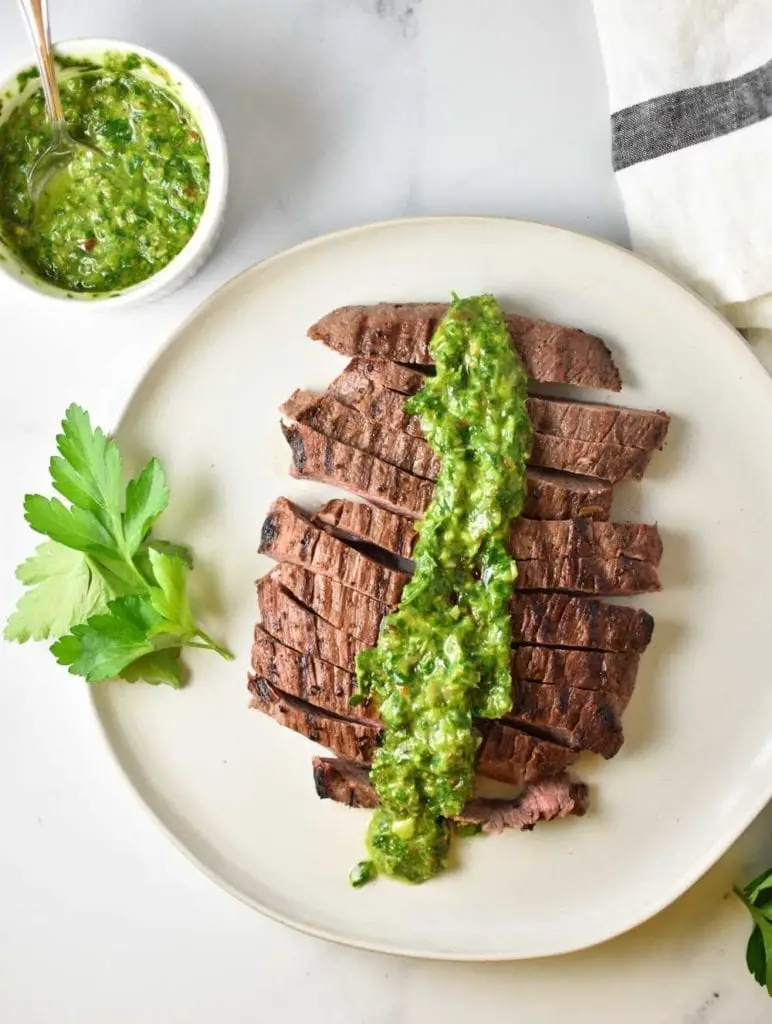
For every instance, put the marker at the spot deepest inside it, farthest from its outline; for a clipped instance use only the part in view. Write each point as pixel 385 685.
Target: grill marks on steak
pixel 550 353
pixel 354 740
pixel 383 425
pixel 288 535
pixel 510 755
pixel 513 756
pixel 582 719
pixel 603 424
pixel 310 679
pixel 529 538
pixel 297 627
pixel 342 423
pixel 318 457
pixel 561 620
pixel 589 576
pixel 557 797
pixel 335 603
pixel 553 620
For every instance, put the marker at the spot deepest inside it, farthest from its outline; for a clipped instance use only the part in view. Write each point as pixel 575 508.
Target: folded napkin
pixel 690 86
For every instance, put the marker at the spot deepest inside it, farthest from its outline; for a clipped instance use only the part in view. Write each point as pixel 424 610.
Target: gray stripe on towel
pixel 686 118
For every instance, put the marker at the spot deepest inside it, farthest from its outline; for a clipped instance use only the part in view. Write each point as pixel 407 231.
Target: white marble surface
pixel 337 112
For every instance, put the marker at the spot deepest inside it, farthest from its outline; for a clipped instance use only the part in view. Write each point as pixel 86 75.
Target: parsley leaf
pixel 118 596
pixel 159 667
pixel 757 899
pixel 103 646
pixel 64 590
pixel 146 499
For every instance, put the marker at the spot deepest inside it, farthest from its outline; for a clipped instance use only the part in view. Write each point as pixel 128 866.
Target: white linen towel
pixel 690 88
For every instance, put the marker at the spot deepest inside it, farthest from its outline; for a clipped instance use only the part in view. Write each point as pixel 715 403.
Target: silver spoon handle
pixel 36 15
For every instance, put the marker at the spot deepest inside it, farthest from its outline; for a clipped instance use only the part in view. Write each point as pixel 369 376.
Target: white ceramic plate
pixel 234 790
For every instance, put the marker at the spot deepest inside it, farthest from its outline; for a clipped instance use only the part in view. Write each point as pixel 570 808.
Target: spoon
pixel 60 152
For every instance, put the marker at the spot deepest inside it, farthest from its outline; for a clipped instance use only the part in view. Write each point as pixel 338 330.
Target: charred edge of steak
pixel 297 447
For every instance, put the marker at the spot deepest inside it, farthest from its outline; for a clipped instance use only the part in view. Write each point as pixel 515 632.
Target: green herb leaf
pixel 74 527
pixel 88 470
pixel 64 590
pixel 170 599
pixel 105 645
pixel 159 667
pixel 755 957
pixel 146 498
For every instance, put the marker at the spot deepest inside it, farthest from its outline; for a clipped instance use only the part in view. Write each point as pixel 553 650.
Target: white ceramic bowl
pixel 197 250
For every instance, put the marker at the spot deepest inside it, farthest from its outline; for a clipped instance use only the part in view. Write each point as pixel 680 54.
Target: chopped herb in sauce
pixel 123 209
pixel 443 658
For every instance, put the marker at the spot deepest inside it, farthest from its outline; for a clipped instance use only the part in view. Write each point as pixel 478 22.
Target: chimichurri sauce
pixel 443 657
pixel 120 211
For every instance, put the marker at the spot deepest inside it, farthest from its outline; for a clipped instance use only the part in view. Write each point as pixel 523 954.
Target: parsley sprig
pixel 757 899
pixel 115 597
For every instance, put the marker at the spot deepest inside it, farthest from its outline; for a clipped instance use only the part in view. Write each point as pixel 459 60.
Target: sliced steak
pixel 556 797
pixel 612 674
pixel 589 576
pixel 373 401
pixel 296 626
pixel 563 621
pixel 582 719
pixel 288 535
pixel 584 421
pixel 546 619
pixel 591 421
pixel 345 782
pixel 315 681
pixel 317 457
pixel 582 538
pixel 337 604
pixel 605 460
pixel 550 352
pixel 330 417
pixel 377 526
pixel 511 755
pixel 357 741
pixel 529 539
pixel 391 375
pixel 348 783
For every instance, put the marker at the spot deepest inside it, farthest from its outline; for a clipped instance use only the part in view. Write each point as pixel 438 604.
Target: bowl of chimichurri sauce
pixel 139 208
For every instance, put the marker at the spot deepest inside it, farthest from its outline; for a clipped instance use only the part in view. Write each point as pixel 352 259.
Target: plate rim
pixel 655 906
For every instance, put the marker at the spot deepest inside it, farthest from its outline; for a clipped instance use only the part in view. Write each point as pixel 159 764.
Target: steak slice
pixel 359 521
pixel 355 740
pixel 545 619
pixel 529 538
pixel 560 620
pixel 591 421
pixel 582 719
pixel 607 672
pixel 402 332
pixel 348 783
pixel 297 627
pixel 511 755
pixel 337 604
pixel 342 423
pixel 584 421
pixel 318 457
pixel 288 535
pixel 377 405
pixel 315 681
pixel 589 576
pixel 391 375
